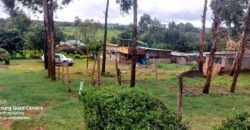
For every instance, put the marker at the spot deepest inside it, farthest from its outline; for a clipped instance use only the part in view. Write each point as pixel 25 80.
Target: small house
pixel 223 62
pixel 144 54
pixel 184 58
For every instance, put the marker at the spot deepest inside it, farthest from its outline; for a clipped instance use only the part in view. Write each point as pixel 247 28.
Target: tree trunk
pixel 48 13
pixel 134 45
pixel 215 32
pixel 45 51
pixel 51 35
pixel 240 56
pixel 202 38
pixel 105 39
pixel 45 11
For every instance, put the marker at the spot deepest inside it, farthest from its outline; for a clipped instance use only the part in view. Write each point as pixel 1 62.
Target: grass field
pixel 25 82
pixel 73 31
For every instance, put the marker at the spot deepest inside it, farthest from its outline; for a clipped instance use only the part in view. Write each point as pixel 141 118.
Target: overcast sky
pixel 164 10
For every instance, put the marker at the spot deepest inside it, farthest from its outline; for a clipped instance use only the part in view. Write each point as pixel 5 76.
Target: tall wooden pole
pixel 202 38
pixel 179 97
pixel 105 39
pixel 240 56
pixel 134 45
pixel 215 39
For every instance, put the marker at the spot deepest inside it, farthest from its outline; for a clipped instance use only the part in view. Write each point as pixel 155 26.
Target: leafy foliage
pixel 232 14
pixel 239 122
pixel 126 108
pixel 11 41
pixel 125 5
pixel 4 55
pixel 35 37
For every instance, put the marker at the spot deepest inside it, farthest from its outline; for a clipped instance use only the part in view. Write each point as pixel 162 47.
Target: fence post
pixel 98 71
pixel 93 72
pixel 156 80
pixel 118 71
pixel 179 97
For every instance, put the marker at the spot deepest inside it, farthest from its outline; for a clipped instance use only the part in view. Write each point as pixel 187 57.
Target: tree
pixel 145 22
pixel 242 50
pixel 202 38
pixel 232 14
pixel 35 37
pixel 11 41
pixel 105 38
pixel 77 21
pixel 48 7
pixel 125 6
pixel 215 39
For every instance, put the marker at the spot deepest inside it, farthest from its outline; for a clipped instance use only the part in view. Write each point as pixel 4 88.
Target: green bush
pixel 34 55
pixel 4 56
pixel 239 122
pixel 116 108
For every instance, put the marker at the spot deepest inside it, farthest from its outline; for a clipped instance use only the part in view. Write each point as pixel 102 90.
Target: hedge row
pixel 115 108
pixel 239 122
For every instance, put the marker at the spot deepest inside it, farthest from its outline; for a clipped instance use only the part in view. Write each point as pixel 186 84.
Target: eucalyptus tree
pixel 47 7
pixel 241 51
pixel 232 15
pixel 125 6
pixel 202 38
pixel 105 38
pixel 215 40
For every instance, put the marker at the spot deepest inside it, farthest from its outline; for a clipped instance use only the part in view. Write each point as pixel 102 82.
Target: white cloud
pixel 164 10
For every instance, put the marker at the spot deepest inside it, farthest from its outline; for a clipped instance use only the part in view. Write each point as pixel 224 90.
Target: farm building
pixel 70 44
pixel 124 52
pixel 184 58
pixel 224 62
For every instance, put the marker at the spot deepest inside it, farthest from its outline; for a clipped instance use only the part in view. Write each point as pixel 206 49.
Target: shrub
pixel 71 51
pixel 239 122
pixel 126 109
pixel 4 56
pixel 34 55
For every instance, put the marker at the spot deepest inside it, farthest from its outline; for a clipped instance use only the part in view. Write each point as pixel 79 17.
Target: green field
pixel 25 82
pixel 73 31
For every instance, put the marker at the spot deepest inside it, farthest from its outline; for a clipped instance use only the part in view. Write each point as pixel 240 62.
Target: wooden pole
pixel 68 80
pixel 87 65
pixel 63 77
pixel 59 69
pixel 93 72
pixel 98 70
pixel 179 97
pixel 156 80
pixel 118 71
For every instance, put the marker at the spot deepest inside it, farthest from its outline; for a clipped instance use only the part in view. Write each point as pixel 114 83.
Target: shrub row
pixel 126 109
pixel 238 122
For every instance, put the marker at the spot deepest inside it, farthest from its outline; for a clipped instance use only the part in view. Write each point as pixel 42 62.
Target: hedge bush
pixel 4 56
pixel 116 108
pixel 239 122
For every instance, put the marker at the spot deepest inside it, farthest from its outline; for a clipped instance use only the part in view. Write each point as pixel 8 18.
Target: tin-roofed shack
pixel 224 61
pixel 123 52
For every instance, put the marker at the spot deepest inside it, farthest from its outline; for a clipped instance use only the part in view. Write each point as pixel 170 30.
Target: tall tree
pixel 37 6
pixel 202 38
pixel 215 40
pixel 134 45
pixel 232 14
pixel 125 6
pixel 105 38
pixel 242 50
pixel 49 27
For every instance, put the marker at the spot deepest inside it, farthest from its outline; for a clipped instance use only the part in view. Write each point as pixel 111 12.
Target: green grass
pixel 25 82
pixel 99 34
